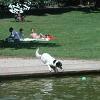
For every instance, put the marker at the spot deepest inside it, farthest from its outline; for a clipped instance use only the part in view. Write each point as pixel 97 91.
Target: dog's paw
pixel 50 71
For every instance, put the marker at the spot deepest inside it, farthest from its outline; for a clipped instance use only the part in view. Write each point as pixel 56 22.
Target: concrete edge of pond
pixel 48 74
pixel 19 68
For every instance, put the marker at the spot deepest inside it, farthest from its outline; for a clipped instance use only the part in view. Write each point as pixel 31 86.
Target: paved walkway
pixel 29 66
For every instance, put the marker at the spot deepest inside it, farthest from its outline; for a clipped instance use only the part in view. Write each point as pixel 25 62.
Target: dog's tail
pixel 37 53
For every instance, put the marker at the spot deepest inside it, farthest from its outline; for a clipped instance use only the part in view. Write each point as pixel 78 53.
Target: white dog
pixel 50 61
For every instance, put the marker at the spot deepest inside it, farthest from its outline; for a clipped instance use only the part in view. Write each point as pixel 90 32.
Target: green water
pixel 65 88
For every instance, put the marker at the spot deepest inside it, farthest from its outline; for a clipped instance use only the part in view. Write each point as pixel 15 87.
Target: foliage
pixel 51 3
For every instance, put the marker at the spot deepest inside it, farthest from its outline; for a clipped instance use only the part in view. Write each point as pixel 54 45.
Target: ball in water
pixel 83 78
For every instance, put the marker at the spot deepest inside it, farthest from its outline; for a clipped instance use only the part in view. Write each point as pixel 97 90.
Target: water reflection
pixel 47 86
pixel 66 88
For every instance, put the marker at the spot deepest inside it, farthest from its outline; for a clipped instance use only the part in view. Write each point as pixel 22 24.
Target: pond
pixel 86 87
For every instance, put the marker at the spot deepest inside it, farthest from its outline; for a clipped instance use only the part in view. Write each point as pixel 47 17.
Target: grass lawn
pixel 77 35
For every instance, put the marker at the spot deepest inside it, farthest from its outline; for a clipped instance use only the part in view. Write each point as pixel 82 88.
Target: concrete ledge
pixel 19 68
pixel 48 74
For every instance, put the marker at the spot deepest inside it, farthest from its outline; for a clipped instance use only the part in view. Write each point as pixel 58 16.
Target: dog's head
pixel 57 64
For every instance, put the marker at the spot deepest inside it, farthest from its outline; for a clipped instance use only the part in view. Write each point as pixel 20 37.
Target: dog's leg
pixel 55 69
pixel 49 68
pixel 62 69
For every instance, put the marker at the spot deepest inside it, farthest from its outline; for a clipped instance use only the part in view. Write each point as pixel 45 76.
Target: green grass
pixel 77 34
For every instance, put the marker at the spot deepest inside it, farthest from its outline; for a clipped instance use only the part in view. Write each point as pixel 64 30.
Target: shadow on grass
pixel 55 11
pixel 21 21
pixel 27 45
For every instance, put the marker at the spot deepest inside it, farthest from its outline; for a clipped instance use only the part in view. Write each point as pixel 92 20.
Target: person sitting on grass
pixel 10 38
pixel 14 35
pixel 21 35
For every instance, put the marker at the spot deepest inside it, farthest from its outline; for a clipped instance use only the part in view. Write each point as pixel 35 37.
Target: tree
pixel 97 3
pixel 81 2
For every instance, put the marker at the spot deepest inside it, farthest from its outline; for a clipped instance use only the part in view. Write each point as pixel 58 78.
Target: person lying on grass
pixel 37 36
